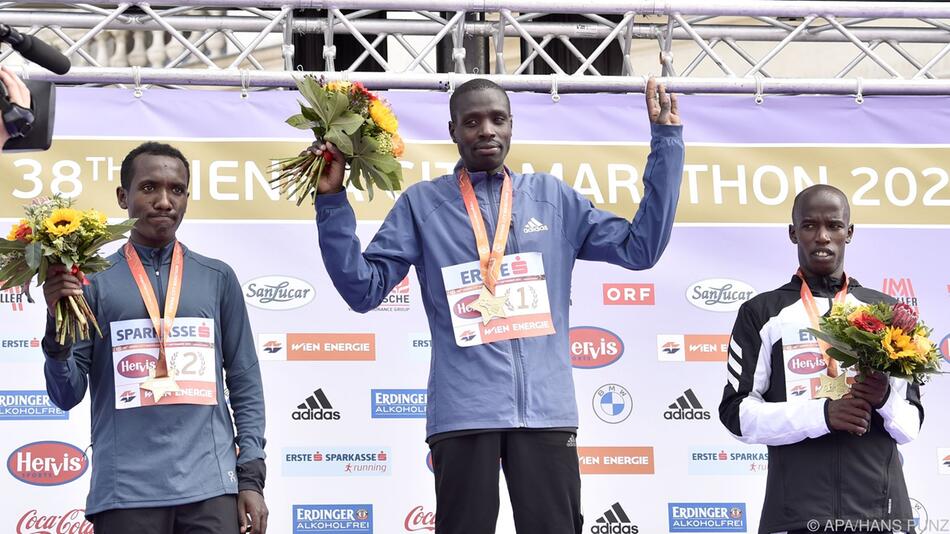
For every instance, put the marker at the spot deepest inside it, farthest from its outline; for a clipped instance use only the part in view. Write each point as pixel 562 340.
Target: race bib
pixel 804 363
pixel 526 305
pixel 190 353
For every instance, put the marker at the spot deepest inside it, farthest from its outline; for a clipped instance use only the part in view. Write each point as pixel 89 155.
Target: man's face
pixel 482 129
pixel 157 196
pixel 821 230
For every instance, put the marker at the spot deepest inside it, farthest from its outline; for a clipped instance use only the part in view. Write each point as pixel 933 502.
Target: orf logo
pixel 47 463
pixel 277 293
pixel 593 347
pixel 719 294
pixel 136 365
pixel 463 308
pixel 807 363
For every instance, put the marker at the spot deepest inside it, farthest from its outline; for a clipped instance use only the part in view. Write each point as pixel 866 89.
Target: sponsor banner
pixel 592 347
pixel 29 405
pixel 419 345
pixel 707 517
pixel 317 346
pixel 730 460
pixel 336 461
pixel 687 408
pixel 398 403
pixel 719 294
pixel 901 289
pixel 616 460
pixel 13 300
pixel 333 518
pixel 943 460
pixel 277 292
pixel 945 347
pixel 47 463
pixel 629 295
pixel 34 521
pixel 398 300
pixel 614 520
pixel 16 348
pixel 692 347
pixel 612 403
pixel 316 407
pixel 419 520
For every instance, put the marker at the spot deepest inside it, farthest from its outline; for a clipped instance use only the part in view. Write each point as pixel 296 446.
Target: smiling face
pixel 158 196
pixel 821 227
pixel 481 128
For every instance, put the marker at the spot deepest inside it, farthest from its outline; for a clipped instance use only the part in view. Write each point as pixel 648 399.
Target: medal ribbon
pixel 489 260
pixel 812 308
pixel 172 297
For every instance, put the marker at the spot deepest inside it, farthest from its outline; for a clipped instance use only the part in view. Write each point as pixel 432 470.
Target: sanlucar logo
pixel 47 463
pixel 593 347
pixel 277 292
pixel 719 294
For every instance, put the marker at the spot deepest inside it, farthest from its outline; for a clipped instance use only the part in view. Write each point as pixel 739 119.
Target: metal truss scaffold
pixel 705 46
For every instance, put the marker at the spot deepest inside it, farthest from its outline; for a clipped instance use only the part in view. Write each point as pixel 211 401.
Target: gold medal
pixel 833 388
pixel 162 385
pixel 489 305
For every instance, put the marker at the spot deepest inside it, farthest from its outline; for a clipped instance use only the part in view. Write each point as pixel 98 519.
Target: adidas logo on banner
pixel 614 521
pixel 316 407
pixel 571 441
pixel 534 225
pixel 687 407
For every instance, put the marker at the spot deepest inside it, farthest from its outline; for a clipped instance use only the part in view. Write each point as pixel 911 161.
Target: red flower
pixel 868 323
pixel 23 233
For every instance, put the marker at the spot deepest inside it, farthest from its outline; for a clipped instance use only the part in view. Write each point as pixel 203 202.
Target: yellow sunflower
pixel 899 346
pixel 63 221
pixel 383 116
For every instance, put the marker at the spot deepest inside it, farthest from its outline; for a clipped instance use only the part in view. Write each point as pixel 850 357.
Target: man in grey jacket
pixel 165 461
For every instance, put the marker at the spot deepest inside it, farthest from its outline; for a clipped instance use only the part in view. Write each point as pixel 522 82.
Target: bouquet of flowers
pixel 54 232
pixel 880 337
pixel 359 123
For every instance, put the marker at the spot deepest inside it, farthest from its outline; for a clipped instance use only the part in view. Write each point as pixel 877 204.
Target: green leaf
pixel 356 173
pixel 349 122
pixel 336 106
pixel 846 360
pixel 11 246
pixel 33 254
pixel 308 88
pixel 341 140
pixel 44 266
pixel 301 123
pixel 309 113
pixel 385 164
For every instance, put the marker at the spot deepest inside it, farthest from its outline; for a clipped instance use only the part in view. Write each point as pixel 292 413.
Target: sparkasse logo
pixel 47 463
pixel 315 407
pixel 707 517
pixel 277 292
pixel 719 294
pixel 614 521
pixel 687 408
pixel 593 347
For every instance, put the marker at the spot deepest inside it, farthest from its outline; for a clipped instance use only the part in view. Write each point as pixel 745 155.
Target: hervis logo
pixel 593 347
pixel 136 365
pixel 277 292
pixel 807 363
pixel 719 294
pixel 615 460
pixel 47 463
pixel 463 308
pixel 692 347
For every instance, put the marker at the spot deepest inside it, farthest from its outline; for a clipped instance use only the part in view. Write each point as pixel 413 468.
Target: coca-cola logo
pixel 593 347
pixel 136 365
pixel 72 522
pixel 418 519
pixel 47 463
pixel 463 308
pixel 807 363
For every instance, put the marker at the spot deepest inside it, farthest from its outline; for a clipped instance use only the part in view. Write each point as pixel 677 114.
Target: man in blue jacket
pixel 500 385
pixel 164 461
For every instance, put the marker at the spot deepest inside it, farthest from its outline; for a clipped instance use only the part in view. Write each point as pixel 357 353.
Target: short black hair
pixel 151 148
pixel 812 190
pixel 477 84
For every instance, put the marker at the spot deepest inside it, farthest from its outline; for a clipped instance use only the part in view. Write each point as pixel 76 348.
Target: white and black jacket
pixel 814 473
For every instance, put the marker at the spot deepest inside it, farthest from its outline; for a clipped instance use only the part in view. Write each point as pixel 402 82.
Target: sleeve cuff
pixel 827 420
pixel 251 475
pixel 666 130
pixel 331 200
pixel 51 347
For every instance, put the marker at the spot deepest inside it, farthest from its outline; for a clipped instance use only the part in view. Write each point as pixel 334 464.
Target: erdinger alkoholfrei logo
pixel 333 518
pixel 47 463
pixel 614 521
pixel 316 407
pixel 277 292
pixel 593 347
pixel 687 408
pixel 707 517
pixel 719 294
pixel 28 404
pixel 398 403
pixel 612 403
